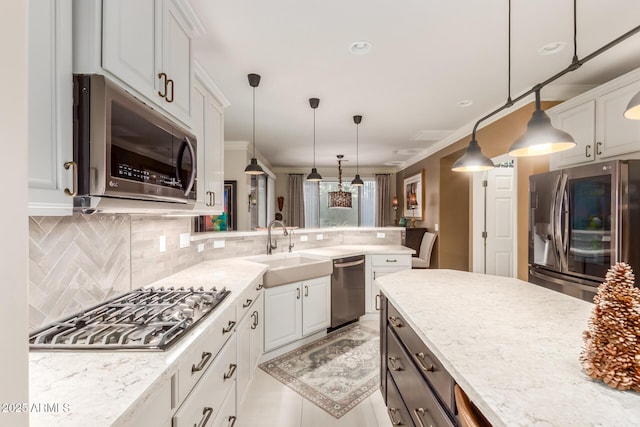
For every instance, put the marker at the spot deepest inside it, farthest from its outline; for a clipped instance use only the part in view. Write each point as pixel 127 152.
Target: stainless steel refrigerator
pixel 581 221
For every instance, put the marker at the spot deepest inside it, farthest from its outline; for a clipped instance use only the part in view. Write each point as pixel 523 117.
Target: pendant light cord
pixel 254 122
pixel 575 34
pixel 357 143
pixel 509 101
pixel 314 137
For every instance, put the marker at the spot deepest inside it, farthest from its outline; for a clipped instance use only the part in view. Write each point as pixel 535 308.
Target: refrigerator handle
pixel 554 225
pixel 561 233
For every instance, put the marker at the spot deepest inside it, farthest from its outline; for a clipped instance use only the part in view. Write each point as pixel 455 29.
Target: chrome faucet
pixel 291 244
pixel 274 245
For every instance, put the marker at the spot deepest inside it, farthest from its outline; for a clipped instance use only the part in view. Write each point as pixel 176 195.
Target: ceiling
pixel 426 56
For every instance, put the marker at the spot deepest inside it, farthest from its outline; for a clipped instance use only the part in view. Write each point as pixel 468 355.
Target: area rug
pixel 335 372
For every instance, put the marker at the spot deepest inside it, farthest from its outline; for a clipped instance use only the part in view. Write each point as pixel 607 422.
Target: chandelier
pixel 339 199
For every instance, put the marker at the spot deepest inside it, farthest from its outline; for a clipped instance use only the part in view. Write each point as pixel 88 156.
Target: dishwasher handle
pixel 348 264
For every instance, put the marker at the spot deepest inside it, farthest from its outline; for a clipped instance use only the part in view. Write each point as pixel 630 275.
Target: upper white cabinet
pixel 145 44
pixel 208 105
pixel 595 121
pixel 51 170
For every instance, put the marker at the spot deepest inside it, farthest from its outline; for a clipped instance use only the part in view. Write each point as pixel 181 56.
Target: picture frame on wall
pixel 414 184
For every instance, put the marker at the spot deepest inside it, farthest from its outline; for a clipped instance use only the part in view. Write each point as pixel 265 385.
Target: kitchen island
pixel 513 347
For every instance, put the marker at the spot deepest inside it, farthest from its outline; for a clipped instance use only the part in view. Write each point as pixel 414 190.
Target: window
pixel 318 214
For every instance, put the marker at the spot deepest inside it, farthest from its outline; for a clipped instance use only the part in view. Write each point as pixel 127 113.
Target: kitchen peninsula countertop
pixel 512 346
pixel 342 251
pixel 105 388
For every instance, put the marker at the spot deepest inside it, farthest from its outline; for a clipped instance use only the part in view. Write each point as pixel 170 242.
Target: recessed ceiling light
pixel 551 48
pixel 360 47
pixel 465 103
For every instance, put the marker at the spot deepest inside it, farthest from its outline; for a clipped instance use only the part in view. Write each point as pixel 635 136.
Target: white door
pixel 316 306
pixel 495 222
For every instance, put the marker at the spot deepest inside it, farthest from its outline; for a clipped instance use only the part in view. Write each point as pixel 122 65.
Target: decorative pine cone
pixel 611 351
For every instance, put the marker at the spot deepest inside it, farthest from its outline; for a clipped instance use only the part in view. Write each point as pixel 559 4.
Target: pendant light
pixel 541 137
pixel 473 160
pixel 357 181
pixel 254 168
pixel 340 199
pixel 314 176
pixel 633 108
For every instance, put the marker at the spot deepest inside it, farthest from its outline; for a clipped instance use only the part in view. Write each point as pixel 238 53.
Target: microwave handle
pixel 186 144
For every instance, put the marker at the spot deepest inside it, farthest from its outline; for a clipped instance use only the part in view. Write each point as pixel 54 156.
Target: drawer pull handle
pixel 203 362
pixel 420 414
pixel 232 420
pixel 229 327
pixel 232 370
pixel 247 303
pixel 395 322
pixel 74 169
pixel 392 364
pixel 392 415
pixel 206 414
pixel 420 359
pixel 391 260
pixel 260 286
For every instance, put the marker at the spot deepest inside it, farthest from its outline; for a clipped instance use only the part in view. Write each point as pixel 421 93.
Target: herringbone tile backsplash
pixel 76 262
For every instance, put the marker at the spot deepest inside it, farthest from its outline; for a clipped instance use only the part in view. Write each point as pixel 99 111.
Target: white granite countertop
pixel 103 388
pixel 342 251
pixel 512 346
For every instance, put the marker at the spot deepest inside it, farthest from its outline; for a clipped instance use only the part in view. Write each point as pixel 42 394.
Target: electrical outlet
pixel 185 241
pixel 218 244
pixel 319 237
pixel 435 227
pixel 380 235
pixel 200 247
pixel 162 243
pixel 304 238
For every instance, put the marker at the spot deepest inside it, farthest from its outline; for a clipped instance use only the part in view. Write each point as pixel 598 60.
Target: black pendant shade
pixel 473 160
pixel 633 108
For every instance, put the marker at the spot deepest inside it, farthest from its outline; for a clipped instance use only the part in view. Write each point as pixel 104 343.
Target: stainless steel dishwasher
pixel 347 290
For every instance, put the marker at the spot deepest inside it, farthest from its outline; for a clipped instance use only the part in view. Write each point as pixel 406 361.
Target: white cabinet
pixel 50 108
pixel 208 105
pixel 250 342
pixel 377 266
pixel 296 310
pixel 595 121
pixel 144 44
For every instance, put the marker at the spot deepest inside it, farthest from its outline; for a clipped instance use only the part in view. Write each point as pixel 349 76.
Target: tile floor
pixel 269 403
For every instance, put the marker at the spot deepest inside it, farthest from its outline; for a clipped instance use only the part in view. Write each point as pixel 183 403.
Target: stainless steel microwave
pixel 128 156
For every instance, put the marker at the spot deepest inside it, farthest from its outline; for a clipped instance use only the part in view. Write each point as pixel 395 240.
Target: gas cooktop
pixel 143 319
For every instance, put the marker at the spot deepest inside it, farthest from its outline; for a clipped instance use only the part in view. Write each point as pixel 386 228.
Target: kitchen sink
pixel 293 268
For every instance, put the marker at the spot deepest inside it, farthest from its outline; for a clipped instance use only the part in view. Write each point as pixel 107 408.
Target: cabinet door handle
pixel 260 286
pixel 206 414
pixel 392 415
pixel 306 290
pixel 297 293
pixel 420 359
pixel 393 365
pixel 374 275
pixel 203 362
pixel 169 82
pixel 586 151
pixel 391 260
pixel 254 316
pixel 232 370
pixel 395 322
pixel 247 303
pixel 422 413
pixel 74 170
pixel 212 198
pixel 229 327
pixel 378 299
pixel 598 151
pixel 232 420
pixel 163 80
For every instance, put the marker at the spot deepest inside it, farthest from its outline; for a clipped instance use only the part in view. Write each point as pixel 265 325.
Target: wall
pixel 14 370
pixel 447 198
pixel 79 261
